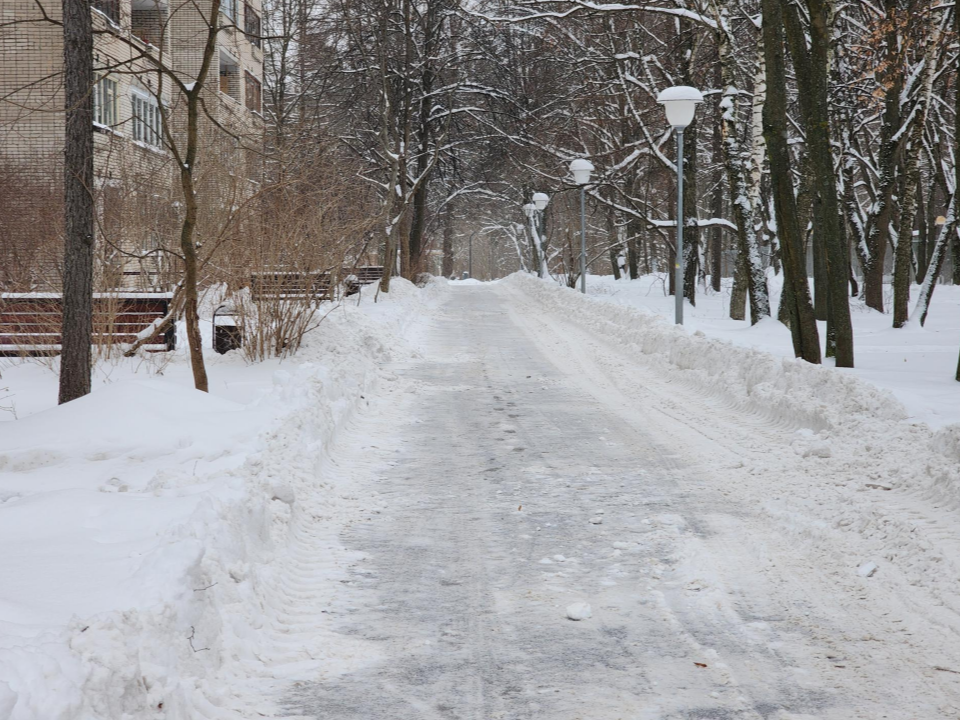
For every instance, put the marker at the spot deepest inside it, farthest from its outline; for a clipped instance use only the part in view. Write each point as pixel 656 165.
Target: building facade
pixel 140 46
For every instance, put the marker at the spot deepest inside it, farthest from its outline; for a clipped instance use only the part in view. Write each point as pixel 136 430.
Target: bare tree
pixel 77 331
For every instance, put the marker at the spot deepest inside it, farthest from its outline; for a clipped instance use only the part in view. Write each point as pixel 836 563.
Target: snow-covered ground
pixel 141 526
pixel 917 364
pixel 401 521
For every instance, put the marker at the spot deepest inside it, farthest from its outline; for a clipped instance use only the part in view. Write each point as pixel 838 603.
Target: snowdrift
pixel 146 525
pixel 790 392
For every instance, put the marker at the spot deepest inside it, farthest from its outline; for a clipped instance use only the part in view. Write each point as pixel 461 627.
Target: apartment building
pixel 138 45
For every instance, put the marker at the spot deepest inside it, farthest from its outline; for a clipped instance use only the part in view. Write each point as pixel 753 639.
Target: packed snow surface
pixel 400 523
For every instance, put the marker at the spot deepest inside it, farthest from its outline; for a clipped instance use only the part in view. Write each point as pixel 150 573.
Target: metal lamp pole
pixel 540 202
pixel 678 263
pixel 583 239
pixel 581 170
pixel 680 104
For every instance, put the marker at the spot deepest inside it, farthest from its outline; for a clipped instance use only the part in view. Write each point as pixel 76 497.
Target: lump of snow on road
pixel 579 611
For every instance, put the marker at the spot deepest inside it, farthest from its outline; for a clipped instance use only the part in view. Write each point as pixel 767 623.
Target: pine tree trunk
pixel 77 328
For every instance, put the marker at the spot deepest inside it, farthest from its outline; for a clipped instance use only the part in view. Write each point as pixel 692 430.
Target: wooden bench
pixel 30 322
pixel 291 285
pixel 366 274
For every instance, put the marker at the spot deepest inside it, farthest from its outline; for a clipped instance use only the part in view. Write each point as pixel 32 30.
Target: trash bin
pixel 227 335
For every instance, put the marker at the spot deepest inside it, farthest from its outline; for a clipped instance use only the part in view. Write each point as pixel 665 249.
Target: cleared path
pixel 526 466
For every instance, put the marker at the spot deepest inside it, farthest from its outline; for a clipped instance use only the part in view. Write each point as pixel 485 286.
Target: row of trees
pixel 829 131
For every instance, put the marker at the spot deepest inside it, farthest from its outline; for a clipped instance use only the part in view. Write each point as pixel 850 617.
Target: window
pixel 251 24
pixel 110 8
pixel 147 121
pixel 253 93
pixel 229 8
pixel 229 76
pixel 105 105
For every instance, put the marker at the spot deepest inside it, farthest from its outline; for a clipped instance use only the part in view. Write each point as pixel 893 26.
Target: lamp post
pixel 530 210
pixel 680 104
pixel 581 169
pixel 540 202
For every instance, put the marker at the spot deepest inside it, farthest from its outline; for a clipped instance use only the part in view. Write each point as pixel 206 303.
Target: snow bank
pixel 787 391
pixel 916 364
pixel 145 527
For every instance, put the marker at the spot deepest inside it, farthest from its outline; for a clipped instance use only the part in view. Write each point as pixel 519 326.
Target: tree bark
pixel 447 268
pixel 78 81
pixel 738 294
pixel 796 295
pixel 878 234
pixel 633 256
pixel 811 65
pixel 744 183
pixel 911 174
pixel 188 168
pixel 716 234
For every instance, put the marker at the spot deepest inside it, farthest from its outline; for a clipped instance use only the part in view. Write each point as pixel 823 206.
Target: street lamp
pixel 680 104
pixel 540 201
pixel 530 210
pixel 581 169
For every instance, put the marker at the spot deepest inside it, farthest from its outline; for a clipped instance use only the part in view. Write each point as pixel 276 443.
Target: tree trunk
pixel 633 256
pixel 813 72
pixel 614 253
pixel 716 233
pixel 190 293
pixel 922 246
pixel 744 185
pixel 188 168
pixel 77 328
pixel 911 174
pixel 956 134
pixel 891 76
pixel 447 268
pixel 937 256
pixel 796 295
pixel 738 295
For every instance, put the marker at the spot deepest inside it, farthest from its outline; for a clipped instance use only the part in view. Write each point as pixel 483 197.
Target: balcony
pixel 110 8
pixel 148 20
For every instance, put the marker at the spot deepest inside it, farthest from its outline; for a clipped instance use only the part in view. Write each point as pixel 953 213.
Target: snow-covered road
pixel 527 464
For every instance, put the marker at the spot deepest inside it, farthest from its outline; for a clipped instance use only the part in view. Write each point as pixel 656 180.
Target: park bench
pixel 30 322
pixel 366 274
pixel 291 285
